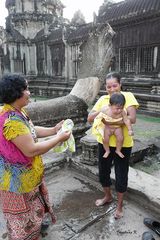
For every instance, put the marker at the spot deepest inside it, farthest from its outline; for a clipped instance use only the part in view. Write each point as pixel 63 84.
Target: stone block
pixel 89 150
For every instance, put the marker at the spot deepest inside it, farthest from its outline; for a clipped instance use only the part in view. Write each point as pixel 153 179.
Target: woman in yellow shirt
pixel 113 85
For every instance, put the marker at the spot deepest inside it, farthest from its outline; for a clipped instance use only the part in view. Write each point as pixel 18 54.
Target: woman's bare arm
pixel 127 122
pixel 48 131
pixel 131 113
pixel 29 148
pixel 92 115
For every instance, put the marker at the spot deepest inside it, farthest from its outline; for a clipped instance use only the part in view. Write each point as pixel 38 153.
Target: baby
pixel 109 115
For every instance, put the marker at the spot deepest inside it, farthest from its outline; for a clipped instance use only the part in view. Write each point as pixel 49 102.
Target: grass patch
pixel 148 118
pixel 150 164
pixel 39 98
pixel 147 134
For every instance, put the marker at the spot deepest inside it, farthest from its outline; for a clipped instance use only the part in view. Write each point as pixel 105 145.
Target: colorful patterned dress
pixel 23 194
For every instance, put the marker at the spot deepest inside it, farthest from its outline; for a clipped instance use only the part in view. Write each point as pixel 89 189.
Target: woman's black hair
pixel 114 75
pixel 12 87
pixel 117 99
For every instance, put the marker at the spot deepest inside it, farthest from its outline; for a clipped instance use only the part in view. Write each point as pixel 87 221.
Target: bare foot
pixel 120 154
pixel 103 201
pixel 118 214
pixel 106 154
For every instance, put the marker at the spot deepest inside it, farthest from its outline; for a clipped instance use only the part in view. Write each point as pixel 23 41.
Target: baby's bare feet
pixel 106 154
pixel 120 154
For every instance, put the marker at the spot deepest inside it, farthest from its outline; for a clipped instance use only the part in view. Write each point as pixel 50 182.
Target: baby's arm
pixel 127 122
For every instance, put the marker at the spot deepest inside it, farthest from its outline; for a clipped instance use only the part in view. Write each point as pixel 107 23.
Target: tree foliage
pixel 78 18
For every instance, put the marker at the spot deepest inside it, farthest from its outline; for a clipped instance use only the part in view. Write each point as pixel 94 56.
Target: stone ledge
pixel 53 161
pixel 144 188
pixel 140 150
pixel 90 150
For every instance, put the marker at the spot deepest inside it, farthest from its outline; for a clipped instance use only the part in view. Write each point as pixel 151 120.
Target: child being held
pixel 105 123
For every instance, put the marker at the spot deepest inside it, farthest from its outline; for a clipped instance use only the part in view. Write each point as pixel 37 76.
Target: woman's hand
pixel 64 136
pixel 130 133
pixel 58 126
pixel 92 116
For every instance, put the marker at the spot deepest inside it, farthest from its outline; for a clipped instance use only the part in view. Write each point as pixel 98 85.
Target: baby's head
pixel 117 99
pixel 117 102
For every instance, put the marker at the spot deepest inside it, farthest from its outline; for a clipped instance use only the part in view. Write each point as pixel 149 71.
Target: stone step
pixel 90 150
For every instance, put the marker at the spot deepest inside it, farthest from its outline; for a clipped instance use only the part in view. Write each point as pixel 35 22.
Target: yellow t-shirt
pixel 130 101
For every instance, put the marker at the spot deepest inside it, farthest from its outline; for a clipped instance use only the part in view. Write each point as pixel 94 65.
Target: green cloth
pixel 68 144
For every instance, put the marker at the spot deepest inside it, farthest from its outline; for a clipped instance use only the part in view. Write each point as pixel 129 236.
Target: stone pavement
pixel 78 218
pixel 74 187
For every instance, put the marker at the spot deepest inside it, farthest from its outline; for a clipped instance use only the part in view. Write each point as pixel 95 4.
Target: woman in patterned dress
pixel 23 194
